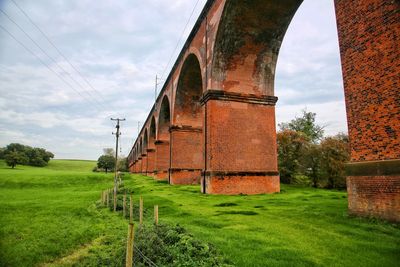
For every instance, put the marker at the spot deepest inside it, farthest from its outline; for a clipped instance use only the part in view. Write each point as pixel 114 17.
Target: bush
pixel 172 246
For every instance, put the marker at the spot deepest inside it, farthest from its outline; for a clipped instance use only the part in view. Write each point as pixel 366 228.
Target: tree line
pixel 305 156
pixel 16 153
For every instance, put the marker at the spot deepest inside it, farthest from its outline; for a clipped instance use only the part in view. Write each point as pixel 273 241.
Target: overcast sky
pixel 119 47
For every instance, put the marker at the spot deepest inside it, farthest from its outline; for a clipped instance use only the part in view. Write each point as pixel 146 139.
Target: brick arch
pixel 164 119
pixel 247 44
pixel 145 142
pixel 189 90
pixel 162 155
pixel 140 146
pixel 152 132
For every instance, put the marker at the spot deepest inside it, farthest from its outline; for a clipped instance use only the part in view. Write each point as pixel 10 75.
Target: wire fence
pixel 133 212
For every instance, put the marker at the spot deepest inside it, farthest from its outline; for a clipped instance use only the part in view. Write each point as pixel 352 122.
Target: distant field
pixel 48 215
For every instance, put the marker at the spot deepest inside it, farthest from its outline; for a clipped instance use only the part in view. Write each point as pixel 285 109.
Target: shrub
pixel 172 246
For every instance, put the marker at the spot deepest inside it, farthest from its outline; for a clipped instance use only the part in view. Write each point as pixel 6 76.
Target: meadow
pixel 50 217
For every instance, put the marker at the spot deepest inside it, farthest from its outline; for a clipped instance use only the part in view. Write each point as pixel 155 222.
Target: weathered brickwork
pixel 377 196
pixel 240 137
pixel 144 164
pixel 151 157
pixel 187 155
pixel 215 113
pixel 184 176
pixel 227 184
pixel 369 35
pixel 162 160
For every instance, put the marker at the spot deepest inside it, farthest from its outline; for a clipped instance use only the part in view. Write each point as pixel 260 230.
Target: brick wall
pixel 369 35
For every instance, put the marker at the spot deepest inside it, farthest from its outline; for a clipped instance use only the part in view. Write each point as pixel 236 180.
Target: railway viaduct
pixel 213 122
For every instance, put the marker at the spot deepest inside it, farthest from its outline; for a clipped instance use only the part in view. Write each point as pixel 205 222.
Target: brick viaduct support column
pixel 144 164
pixel 186 155
pixel 139 163
pixel 162 160
pixel 151 154
pixel 240 144
pixel 187 132
pixel 369 38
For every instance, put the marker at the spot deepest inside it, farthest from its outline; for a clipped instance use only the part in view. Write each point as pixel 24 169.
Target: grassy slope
pixel 48 213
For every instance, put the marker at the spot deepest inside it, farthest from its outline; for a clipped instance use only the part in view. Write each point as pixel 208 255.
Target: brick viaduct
pixel 214 120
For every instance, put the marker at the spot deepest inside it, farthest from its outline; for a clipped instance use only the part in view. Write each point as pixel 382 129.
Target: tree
pixel 38 156
pixel 15 157
pixel 33 156
pixel 292 146
pixel 109 151
pixel 335 153
pixel 312 162
pixel 2 151
pixel 123 164
pixel 305 124
pixel 106 162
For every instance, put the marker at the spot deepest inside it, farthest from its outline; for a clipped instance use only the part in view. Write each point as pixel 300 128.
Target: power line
pixel 44 63
pixel 50 57
pixel 180 38
pixel 58 50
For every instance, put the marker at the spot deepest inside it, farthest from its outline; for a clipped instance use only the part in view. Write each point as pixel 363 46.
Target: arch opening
pixel 187 108
pixel 164 120
pixel 145 142
pixel 152 133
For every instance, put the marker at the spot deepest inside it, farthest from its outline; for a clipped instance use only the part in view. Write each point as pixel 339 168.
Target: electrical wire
pixel 58 50
pixel 180 38
pixel 50 57
pixel 44 64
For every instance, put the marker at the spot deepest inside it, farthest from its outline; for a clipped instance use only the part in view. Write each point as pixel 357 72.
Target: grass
pixel 50 213
pixel 48 217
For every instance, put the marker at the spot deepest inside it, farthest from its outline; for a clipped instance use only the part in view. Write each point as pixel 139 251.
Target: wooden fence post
pixel 129 245
pixel 156 214
pixel 108 198
pixel 115 198
pixel 130 209
pixel 124 206
pixel 141 211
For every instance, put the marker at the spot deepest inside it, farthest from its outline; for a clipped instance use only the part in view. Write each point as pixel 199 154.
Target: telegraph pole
pixel 117 134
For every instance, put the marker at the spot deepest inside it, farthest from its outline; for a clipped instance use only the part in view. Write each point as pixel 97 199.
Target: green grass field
pixel 48 216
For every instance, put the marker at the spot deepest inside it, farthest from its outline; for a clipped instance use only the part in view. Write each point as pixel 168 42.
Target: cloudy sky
pixel 118 47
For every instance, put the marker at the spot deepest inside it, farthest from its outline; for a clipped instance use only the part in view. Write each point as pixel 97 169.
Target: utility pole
pixel 117 134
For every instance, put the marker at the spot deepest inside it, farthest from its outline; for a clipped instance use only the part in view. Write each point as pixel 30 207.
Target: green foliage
pixel 335 153
pixel 123 164
pixel 16 153
pixel 15 157
pixel 303 154
pixel 292 146
pixel 167 245
pixel 305 124
pixel 2 150
pixel 106 162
